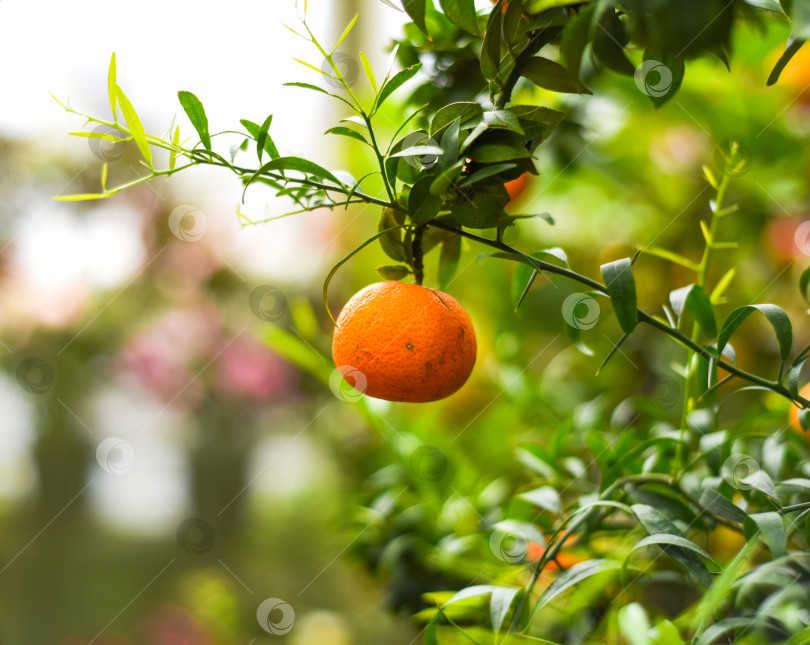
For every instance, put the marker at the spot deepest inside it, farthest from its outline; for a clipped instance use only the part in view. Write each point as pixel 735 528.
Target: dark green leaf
pixel 575 38
pixel 621 287
pixel 793 377
pixel 466 112
pixel 482 208
pixel 609 41
pixel 776 316
pixel 462 14
pixel 391 242
pixel 792 46
pixel 299 164
pixel 804 284
pixel 503 148
pixel 254 130
pixel 196 114
pixel 395 273
pixel 695 299
pixel 346 132
pixel 772 528
pixel 449 256
pixel 265 142
pixel 422 204
pixel 395 83
pixel 416 10
pixel 491 50
pixel 714 502
pixel 503 119
pixel 659 76
pixel 485 173
pixel 552 76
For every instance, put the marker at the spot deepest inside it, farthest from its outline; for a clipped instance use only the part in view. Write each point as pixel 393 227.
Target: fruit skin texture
pixel 411 343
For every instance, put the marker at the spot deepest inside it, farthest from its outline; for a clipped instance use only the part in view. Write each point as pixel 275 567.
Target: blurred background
pixel 173 460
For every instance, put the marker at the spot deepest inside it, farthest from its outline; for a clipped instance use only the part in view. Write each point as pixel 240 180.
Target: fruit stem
pixel 418 261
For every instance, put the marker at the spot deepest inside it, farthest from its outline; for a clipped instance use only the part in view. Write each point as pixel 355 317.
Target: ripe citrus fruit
pixel 409 342
pixel 516 187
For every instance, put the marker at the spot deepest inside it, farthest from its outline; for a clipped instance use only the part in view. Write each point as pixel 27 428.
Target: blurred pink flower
pixel 175 626
pixel 247 369
pixel 161 356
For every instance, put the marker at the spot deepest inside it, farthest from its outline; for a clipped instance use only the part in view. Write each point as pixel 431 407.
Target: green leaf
pixel 659 76
pixel 482 208
pixel 196 114
pixel 369 71
pixel 261 140
pixel 467 112
pixel 497 150
pixel 422 204
pixel 761 481
pixel 491 50
pixel 575 37
pixel 395 83
pixel 552 76
pixel 609 41
pixel 135 125
pixel 503 119
pixel 696 300
pixel 571 577
pixel 84 196
pixel 545 497
pixel 499 604
pixel 254 130
pixel 416 10
pixel 772 528
pixel 391 242
pixel 671 256
pixel 393 272
pixel 462 14
pixel 298 164
pixel 793 377
pixel 621 287
pixel 173 152
pixel 792 46
pixel 346 31
pixel 449 256
pixel 347 132
pixel 804 284
pixel 671 540
pixel 776 316
pixel 485 173
pixel 656 523
pixel 714 502
pixel 799 13
pixel 112 85
pixel 536 6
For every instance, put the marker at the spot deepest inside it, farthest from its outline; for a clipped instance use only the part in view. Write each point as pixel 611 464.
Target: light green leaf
pixel 416 10
pixel 112 85
pixel 552 76
pixel 369 71
pixel 193 108
pixel 696 300
pixel 571 577
pixel 345 32
pixel 462 14
pixel 397 81
pixel 621 287
pixel 772 528
pixel 499 604
pixel 135 125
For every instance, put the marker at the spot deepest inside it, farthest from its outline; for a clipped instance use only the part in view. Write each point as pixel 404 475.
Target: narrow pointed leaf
pixel 135 126
pixel 621 287
pixel 112 84
pixel 196 114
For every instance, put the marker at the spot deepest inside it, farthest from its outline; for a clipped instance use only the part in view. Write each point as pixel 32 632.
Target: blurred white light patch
pixel 603 118
pixel 140 481
pixel 56 250
pixel 288 465
pixel 17 470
